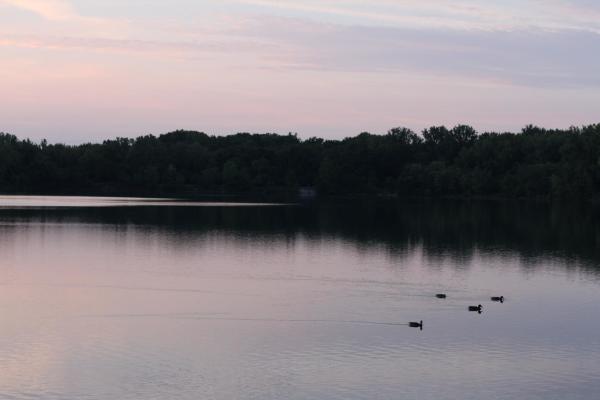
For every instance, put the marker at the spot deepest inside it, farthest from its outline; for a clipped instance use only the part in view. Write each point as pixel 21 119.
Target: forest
pixel 438 162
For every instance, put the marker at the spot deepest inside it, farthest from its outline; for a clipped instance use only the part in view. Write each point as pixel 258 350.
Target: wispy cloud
pixel 398 13
pixel 544 59
pixel 521 58
pixel 460 14
pixel 61 16
pixel 54 10
pixel 182 49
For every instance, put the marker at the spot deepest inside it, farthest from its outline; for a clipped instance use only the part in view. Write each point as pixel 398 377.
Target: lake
pixel 107 298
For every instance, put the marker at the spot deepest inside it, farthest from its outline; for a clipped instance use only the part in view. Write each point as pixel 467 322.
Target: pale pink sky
pixel 85 70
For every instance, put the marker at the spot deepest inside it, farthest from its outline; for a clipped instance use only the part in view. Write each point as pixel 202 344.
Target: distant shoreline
pixel 440 163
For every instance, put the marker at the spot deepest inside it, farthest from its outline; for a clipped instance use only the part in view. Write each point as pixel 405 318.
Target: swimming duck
pixel 440 296
pixel 499 298
pixel 416 325
pixel 477 308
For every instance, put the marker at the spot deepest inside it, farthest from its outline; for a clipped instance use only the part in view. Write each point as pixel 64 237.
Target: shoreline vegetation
pixel 535 163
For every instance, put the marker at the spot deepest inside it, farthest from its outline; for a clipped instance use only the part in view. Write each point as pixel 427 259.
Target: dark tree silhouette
pixel 536 162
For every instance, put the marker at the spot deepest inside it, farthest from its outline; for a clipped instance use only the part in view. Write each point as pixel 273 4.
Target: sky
pixel 76 71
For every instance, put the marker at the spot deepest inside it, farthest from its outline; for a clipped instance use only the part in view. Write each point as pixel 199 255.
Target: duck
pixel 498 298
pixel 416 325
pixel 477 308
pixel 441 295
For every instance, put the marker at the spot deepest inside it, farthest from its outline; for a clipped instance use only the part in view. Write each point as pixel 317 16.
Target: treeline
pixel 536 162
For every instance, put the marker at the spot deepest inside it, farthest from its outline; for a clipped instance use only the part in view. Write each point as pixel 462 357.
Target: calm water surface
pixel 158 299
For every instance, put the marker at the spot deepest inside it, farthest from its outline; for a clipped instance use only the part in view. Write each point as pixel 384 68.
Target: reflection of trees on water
pixel 445 230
